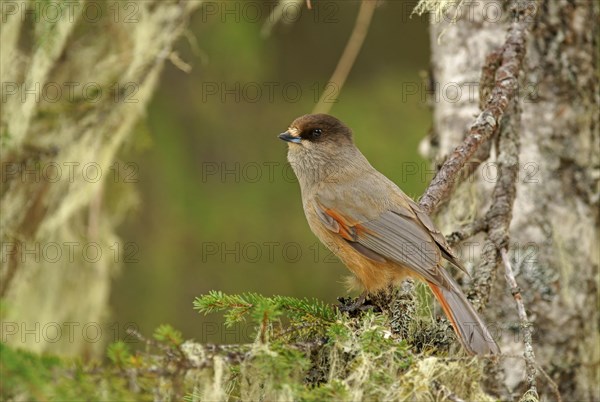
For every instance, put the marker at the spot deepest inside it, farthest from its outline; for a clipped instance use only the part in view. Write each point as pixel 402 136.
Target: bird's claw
pixel 357 305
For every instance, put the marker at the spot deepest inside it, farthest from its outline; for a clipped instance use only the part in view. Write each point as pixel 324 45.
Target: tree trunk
pixel 554 231
pixel 76 77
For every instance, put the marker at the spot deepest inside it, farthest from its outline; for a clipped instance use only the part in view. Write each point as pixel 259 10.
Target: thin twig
pixel 530 363
pixel 179 63
pixel 486 124
pixel 357 38
pixel 552 383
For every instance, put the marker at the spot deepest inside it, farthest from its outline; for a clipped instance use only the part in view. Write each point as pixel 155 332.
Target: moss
pixel 303 350
pixel 28 376
pixel 457 377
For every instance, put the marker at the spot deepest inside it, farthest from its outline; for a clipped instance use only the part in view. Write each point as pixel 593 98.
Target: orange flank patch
pixel 445 306
pixel 345 230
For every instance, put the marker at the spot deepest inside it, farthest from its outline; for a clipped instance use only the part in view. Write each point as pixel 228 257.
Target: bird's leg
pixel 356 305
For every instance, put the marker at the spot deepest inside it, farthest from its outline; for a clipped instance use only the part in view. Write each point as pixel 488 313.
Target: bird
pixel 380 234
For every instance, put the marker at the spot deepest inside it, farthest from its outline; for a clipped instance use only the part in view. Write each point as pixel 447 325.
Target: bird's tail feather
pixel 469 327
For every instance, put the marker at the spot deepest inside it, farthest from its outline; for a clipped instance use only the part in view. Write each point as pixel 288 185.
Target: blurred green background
pixel 219 207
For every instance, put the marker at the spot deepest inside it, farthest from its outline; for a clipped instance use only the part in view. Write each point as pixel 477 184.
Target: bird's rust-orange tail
pixel 469 327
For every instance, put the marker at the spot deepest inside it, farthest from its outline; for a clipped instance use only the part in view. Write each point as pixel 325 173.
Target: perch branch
pixel 530 363
pixel 499 215
pixel 504 91
pixel 486 86
pixel 357 38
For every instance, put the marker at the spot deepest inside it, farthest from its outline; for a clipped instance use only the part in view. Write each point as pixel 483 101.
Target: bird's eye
pixel 316 133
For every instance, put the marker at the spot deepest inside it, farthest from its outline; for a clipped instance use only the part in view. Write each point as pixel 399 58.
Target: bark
pixel 76 78
pixel 553 234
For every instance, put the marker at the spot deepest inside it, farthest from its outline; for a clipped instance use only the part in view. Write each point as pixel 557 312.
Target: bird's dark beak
pixel 290 138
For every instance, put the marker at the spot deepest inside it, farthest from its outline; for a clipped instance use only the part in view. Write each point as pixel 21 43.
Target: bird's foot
pixel 353 307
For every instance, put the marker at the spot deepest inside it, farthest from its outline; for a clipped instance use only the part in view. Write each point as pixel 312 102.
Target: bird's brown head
pixel 321 149
pixel 317 131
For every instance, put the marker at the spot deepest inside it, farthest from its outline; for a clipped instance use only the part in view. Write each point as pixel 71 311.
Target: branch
pixel 486 124
pixel 467 231
pixel 499 216
pixel 486 86
pixel 529 356
pixel 357 38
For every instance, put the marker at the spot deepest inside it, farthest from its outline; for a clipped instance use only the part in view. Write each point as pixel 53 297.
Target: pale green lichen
pixel 436 7
pixel 529 396
pixel 46 63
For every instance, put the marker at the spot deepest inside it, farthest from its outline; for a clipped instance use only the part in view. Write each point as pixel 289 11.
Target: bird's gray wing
pixel 397 236
pixel 439 238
